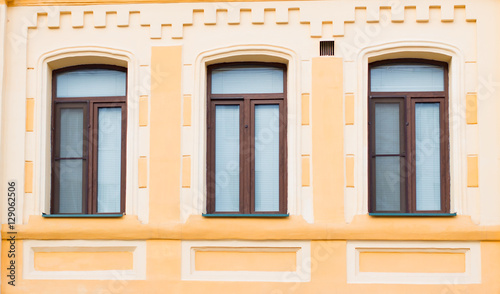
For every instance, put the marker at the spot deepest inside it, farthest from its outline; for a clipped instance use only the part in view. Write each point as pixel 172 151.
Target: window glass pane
pixel 227 158
pixel 407 78
pixel 71 143
pixel 109 154
pixel 91 83
pixel 387 128
pixel 388 183
pixel 247 79
pixel 267 157
pixel 70 186
pixel 427 145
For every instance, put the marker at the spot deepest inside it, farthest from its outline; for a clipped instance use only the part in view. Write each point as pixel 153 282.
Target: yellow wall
pixel 412 262
pixel 245 261
pixel 165 145
pixel 165 47
pixel 82 261
pixel 327 139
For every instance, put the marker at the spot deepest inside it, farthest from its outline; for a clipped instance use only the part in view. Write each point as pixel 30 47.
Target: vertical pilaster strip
pixel 143 111
pixel 305 109
pixel 30 112
pixel 28 177
pixel 471 108
pixel 186 171
pixel 165 134
pixel 306 170
pixel 349 109
pixel 349 171
pixel 186 111
pixel 472 171
pixel 328 139
pixel 143 172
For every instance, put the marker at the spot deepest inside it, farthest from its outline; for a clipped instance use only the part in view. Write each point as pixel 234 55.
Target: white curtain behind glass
pixel 227 158
pixel 427 143
pixel 387 168
pixel 71 145
pixel 407 78
pixel 247 79
pixel 267 157
pixel 91 83
pixel 109 160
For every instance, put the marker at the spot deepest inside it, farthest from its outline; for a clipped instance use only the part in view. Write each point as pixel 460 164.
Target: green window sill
pixel 411 214
pixel 277 215
pixel 77 215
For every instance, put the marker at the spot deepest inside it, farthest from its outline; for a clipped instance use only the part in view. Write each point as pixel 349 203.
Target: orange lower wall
pixel 328 271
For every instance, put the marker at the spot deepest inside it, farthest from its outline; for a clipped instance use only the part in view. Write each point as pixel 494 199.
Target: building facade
pixel 250 147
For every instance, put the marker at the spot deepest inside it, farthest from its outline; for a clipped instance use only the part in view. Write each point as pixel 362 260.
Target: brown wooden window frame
pixel 90 106
pixel 407 102
pixel 247 104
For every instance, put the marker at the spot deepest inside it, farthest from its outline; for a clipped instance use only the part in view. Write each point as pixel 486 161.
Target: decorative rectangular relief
pixel 413 262
pixel 274 261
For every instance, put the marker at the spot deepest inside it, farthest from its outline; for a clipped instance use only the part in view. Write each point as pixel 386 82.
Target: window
pixel 408 137
pixel 88 140
pixel 246 150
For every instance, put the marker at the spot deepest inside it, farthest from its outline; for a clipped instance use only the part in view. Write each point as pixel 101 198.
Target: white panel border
pixel 472 252
pixel 138 248
pixel 301 274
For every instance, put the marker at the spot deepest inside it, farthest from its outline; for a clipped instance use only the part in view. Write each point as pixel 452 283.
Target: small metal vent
pixel 326 48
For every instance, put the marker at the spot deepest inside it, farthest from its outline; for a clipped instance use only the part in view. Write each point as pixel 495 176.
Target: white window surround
pixel 137 248
pixel 457 124
pixel 302 249
pixel 257 53
pixel 42 163
pixel 472 251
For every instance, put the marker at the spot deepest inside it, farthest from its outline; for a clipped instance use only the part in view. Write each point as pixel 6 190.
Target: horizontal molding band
pixel 197 227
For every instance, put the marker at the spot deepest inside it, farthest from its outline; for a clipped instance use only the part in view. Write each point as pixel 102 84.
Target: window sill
pixel 411 214
pixel 70 215
pixel 276 215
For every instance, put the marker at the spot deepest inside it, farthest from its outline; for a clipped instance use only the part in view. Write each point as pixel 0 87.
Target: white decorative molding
pixel 138 249
pixel 302 250
pixel 472 251
pixel 73 56
pixel 314 14
pixel 410 48
pixel 246 53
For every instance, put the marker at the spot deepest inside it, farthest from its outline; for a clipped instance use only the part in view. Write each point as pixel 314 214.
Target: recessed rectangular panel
pixel 247 79
pixel 412 262
pixel 245 261
pixel 227 158
pixel 267 163
pixel 109 159
pixel 427 161
pixel 83 261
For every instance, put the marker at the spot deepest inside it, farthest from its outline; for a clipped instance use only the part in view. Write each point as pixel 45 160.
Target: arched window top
pixel 91 81
pixel 407 76
pixel 247 78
